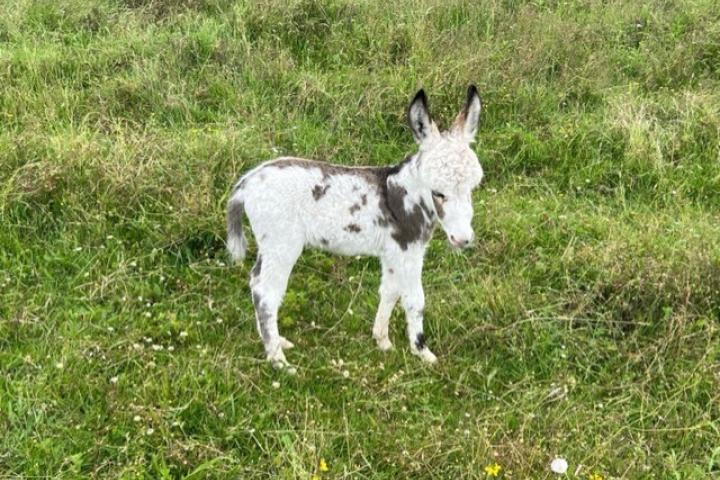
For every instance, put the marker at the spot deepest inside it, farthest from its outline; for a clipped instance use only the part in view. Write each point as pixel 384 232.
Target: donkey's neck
pixel 406 175
pixel 408 205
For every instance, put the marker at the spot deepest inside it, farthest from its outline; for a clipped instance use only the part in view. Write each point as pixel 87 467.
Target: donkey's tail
pixel 236 242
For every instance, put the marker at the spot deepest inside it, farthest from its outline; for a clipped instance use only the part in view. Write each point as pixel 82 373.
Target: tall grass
pixel 584 323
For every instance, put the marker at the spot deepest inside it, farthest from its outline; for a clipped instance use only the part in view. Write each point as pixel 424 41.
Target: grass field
pixel 584 323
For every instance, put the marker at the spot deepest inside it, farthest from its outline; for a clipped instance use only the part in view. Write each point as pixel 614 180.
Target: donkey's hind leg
pixel 268 282
pixel 388 297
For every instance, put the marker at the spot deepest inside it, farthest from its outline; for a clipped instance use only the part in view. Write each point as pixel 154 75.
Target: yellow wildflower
pixel 493 470
pixel 323 466
pixel 595 476
pixel 315 477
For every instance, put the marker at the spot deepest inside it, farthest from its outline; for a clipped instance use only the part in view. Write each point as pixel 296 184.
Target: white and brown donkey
pixel 388 212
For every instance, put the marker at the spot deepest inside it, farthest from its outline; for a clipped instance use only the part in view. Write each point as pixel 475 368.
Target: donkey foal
pixel 388 212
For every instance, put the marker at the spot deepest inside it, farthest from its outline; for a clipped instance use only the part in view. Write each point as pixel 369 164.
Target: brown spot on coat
pixel 420 341
pixel 354 208
pixel 319 191
pixel 353 227
pixel 409 226
pixel 439 207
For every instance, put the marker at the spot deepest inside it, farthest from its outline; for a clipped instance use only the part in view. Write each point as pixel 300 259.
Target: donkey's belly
pixel 349 241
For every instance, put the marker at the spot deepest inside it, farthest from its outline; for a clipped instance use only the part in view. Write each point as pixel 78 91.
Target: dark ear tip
pixel 420 95
pixel 473 92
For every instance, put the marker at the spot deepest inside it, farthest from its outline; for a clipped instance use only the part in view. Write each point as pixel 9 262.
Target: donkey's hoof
pixel 277 358
pixel 286 344
pixel 284 366
pixel 384 344
pixel 426 355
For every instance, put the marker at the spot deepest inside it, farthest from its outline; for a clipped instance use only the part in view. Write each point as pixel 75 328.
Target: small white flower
pixel 171 348
pixel 276 384
pixel 113 379
pixel 559 465
pixel 149 431
pixel 78 249
pixel 157 348
pixel 219 320
pixel 59 365
pixel 346 374
pixel 137 418
pixel 183 334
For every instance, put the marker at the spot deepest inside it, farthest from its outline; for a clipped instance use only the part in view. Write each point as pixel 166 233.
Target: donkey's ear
pixel 466 123
pixel 418 117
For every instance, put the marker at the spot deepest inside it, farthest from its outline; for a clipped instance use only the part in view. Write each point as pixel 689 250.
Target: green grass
pixel 585 322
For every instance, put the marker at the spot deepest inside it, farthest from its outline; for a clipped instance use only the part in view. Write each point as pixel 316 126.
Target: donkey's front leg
pixel 413 301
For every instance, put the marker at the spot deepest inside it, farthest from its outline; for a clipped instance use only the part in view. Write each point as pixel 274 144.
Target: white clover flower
pixel 559 465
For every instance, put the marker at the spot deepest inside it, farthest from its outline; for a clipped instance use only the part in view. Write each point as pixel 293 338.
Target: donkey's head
pixel 448 168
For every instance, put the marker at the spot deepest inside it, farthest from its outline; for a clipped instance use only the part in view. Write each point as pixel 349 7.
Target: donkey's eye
pixel 438 195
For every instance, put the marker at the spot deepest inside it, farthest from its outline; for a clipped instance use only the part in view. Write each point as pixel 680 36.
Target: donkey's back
pixel 297 202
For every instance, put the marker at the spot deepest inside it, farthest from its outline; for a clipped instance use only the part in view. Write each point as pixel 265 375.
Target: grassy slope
pixel 585 323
